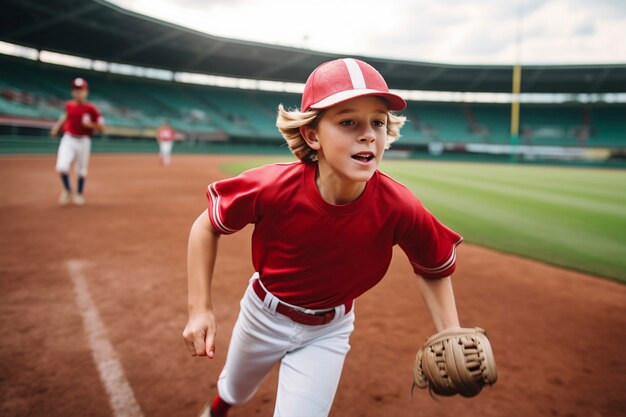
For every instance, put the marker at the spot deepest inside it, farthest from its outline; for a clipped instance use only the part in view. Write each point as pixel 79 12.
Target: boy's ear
pixel 310 136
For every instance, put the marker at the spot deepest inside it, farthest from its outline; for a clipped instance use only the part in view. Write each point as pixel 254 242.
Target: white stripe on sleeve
pixel 447 264
pixel 215 213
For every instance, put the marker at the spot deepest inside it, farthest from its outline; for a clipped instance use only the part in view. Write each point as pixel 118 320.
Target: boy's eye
pixel 379 123
pixel 347 122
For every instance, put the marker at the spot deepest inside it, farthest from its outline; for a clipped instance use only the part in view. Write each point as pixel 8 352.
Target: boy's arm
pixel 439 299
pixel 97 125
pixel 199 334
pixel 55 128
pixel 454 360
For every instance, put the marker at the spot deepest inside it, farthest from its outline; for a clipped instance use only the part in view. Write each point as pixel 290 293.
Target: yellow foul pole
pixel 517 83
pixel 517 87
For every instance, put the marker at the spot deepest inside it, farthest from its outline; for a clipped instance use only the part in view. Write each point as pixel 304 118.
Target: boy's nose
pixel 367 136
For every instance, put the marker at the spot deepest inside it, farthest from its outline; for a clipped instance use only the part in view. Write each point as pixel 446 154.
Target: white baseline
pixel 121 396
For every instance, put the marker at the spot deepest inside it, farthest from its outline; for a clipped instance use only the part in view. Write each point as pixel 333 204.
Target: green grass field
pixel 570 217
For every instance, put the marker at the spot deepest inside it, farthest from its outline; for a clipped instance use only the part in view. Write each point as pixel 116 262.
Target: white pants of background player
pixel 166 151
pixel 311 357
pixel 72 149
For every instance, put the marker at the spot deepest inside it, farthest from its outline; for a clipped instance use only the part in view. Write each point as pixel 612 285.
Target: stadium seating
pixel 445 120
pixel 137 106
pixel 608 126
pixel 493 122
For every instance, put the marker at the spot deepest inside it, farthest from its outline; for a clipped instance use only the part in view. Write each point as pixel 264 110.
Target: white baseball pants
pixel 72 148
pixel 311 357
pixel 165 148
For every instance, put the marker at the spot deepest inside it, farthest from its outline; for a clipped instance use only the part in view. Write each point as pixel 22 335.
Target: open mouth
pixel 363 156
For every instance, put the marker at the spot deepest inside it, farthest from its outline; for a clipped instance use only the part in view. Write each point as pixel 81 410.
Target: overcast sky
pixel 448 31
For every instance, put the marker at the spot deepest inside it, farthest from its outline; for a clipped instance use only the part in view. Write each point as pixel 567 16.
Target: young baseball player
pixel 324 231
pixel 165 137
pixel 79 121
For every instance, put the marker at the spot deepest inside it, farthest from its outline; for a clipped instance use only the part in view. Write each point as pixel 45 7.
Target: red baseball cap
pixel 79 83
pixel 336 81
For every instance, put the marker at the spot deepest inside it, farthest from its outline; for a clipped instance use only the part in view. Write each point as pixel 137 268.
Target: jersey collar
pixel 313 193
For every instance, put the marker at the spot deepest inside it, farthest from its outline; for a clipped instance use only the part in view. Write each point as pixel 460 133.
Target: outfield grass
pixel 570 217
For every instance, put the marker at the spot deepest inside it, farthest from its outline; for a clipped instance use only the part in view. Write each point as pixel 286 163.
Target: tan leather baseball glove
pixel 455 361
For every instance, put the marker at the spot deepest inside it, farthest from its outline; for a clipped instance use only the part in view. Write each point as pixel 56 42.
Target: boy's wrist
pixel 199 308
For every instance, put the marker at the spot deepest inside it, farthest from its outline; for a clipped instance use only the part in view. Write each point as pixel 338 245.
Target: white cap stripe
pixel 356 75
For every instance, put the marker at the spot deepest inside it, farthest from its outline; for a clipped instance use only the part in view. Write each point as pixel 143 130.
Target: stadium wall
pixel 32 94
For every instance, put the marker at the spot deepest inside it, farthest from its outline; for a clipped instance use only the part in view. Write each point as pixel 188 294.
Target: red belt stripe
pixel 296 315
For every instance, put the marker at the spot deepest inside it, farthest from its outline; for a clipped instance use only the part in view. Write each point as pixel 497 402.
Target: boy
pixel 165 136
pixel 324 231
pixel 79 121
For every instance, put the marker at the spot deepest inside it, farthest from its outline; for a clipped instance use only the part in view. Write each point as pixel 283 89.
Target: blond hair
pixel 289 123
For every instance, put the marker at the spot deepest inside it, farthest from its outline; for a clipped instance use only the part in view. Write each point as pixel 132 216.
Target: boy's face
pixel 351 137
pixel 80 94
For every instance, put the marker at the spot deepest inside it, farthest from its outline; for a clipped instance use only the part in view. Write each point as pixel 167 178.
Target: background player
pixel 79 121
pixel 324 231
pixel 165 136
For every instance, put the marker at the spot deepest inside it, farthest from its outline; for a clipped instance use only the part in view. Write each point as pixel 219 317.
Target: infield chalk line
pixel 121 394
pixel 205 411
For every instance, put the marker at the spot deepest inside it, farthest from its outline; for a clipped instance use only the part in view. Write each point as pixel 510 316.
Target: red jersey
pixel 317 255
pixel 76 113
pixel 166 134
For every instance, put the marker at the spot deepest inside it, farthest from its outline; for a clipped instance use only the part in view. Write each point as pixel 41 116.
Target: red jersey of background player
pixel 76 113
pixel 166 133
pixel 317 255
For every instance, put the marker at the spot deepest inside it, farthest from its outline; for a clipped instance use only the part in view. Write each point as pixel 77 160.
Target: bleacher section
pixel 493 122
pixel 32 93
pixel 608 126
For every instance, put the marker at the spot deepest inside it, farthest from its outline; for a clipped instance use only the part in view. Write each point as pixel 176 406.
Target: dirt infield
pixel 558 335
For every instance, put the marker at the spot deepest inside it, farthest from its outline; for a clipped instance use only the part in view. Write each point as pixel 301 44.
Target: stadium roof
pixel 97 29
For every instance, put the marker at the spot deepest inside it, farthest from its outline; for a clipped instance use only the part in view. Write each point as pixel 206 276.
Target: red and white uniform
pixel 166 136
pixel 352 244
pixel 318 256
pixel 77 113
pixel 76 143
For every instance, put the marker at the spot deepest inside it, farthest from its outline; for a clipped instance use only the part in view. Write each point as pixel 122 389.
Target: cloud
pixel 199 5
pixel 585 29
pixel 454 31
pixel 604 9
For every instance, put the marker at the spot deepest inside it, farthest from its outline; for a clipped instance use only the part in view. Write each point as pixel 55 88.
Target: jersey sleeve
pixel 232 202
pixel 429 245
pixel 95 115
pixel 66 114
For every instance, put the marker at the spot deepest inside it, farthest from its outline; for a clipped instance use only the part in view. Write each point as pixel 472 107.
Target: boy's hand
pixel 199 334
pixel 86 121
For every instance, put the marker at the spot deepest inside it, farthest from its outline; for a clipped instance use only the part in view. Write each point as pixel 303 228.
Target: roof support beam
pixel 431 76
pixel 167 36
pixel 476 81
pixel 204 54
pixel 55 17
pixel 286 63
pixel 600 79
pixel 528 82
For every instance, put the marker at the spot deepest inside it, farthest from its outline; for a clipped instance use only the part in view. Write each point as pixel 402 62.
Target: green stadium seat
pixel 37 90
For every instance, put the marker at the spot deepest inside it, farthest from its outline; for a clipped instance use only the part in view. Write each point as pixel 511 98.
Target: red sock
pixel 219 407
